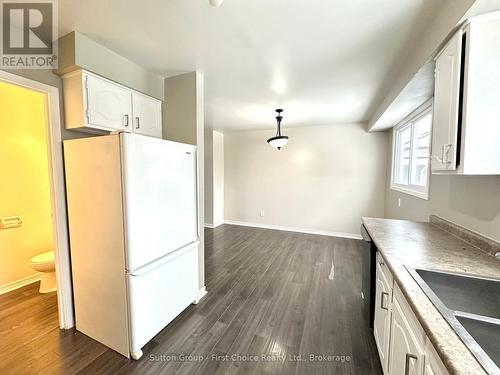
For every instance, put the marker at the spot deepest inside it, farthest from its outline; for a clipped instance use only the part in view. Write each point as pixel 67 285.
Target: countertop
pixel 426 245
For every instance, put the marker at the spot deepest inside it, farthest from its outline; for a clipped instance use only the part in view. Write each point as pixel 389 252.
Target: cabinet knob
pixel 125 120
pixel 137 124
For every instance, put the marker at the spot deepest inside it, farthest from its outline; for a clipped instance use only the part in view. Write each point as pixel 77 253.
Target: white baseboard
pixel 13 285
pixel 201 293
pixel 213 226
pixel 295 229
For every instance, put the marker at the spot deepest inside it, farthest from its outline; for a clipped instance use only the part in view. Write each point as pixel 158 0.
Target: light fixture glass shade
pixel 278 142
pixel 215 3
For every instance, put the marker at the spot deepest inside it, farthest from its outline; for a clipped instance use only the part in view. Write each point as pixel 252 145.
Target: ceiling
pixel 323 61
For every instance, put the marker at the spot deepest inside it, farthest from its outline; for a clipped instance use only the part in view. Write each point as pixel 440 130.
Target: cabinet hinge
pixel 87 99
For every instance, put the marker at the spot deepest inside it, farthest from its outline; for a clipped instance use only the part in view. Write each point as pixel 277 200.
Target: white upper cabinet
pixel 95 104
pixel 108 106
pixel 466 134
pixel 147 115
pixel 446 105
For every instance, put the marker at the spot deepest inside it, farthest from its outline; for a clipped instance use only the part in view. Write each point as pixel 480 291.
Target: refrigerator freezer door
pixel 159 188
pixel 160 294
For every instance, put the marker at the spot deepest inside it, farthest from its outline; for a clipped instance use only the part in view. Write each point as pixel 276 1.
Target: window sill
pixel 409 191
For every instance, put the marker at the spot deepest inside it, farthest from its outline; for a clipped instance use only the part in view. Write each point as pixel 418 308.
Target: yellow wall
pixel 24 181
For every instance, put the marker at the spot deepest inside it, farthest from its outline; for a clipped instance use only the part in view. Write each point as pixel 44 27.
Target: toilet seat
pixel 43 258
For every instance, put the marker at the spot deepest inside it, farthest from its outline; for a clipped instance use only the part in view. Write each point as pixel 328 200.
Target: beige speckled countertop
pixel 426 245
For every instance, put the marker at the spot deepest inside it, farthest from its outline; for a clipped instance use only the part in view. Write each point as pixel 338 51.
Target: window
pixel 411 152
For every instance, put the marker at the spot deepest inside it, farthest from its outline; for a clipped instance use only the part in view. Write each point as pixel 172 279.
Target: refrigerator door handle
pixel 160 261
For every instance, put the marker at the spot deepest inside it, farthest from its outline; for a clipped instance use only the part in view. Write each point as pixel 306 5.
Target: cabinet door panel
pixel 109 106
pixel 433 364
pixel 381 324
pixel 446 105
pixel 147 115
pixel 406 356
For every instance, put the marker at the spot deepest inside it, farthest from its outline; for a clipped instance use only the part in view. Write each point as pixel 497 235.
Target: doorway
pixel 33 222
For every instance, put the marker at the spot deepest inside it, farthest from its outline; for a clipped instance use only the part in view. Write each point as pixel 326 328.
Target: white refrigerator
pixel 133 227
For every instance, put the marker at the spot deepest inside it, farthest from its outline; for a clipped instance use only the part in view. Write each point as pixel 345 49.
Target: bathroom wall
pixel 24 181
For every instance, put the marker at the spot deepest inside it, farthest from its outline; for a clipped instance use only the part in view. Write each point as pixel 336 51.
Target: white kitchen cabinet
pixel 446 105
pixel 406 344
pixel 466 135
pixel 382 321
pixel 108 106
pixel 403 347
pixel 147 115
pixel 97 105
pixel 433 364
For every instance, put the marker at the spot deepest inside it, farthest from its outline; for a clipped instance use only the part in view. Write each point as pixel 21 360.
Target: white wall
pixel 324 180
pixel 209 177
pixel 470 201
pixel 183 121
pixel 218 178
pixel 180 108
pixel 214 178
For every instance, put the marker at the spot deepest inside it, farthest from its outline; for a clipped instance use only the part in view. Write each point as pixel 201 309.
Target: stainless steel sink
pixel 471 305
pixel 475 295
pixel 485 333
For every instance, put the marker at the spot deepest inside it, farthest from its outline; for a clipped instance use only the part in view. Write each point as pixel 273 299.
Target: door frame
pixel 57 194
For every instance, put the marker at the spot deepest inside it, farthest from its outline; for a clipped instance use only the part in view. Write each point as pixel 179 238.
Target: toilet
pixel 45 263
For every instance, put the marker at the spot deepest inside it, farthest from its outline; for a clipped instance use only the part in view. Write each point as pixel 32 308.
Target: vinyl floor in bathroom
pixel 273 301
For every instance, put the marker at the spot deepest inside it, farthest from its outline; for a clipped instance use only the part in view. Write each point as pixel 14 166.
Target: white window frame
pixel 415 190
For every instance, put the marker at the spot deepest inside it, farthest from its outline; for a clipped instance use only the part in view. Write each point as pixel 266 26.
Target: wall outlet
pixel 261 213
pixel 399 202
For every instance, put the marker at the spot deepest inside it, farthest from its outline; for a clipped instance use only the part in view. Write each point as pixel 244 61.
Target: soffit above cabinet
pixel 419 90
pixel 77 51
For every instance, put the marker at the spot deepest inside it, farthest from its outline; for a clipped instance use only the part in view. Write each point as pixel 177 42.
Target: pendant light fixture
pixel 278 140
pixel 215 3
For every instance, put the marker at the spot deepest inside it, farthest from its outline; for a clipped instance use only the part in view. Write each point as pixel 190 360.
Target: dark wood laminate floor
pixel 270 293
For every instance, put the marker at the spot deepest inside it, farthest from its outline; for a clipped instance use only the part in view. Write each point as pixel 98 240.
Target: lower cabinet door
pixel 381 325
pixel 406 356
pixel 433 364
pixel 161 291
